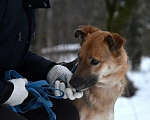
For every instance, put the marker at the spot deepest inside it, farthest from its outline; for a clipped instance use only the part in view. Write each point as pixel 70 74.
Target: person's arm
pixel 38 68
pixel 6 89
pixel 2 9
pixel 35 67
pixel 13 92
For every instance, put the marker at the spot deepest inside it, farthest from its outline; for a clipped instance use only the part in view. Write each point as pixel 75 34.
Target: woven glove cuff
pixel 19 93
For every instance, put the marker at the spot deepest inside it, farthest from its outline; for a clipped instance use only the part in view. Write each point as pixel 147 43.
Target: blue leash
pixel 74 68
pixel 41 92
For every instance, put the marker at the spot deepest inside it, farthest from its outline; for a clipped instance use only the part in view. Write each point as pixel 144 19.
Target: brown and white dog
pixel 100 72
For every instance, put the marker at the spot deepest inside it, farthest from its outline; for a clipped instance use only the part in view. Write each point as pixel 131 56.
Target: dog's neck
pixel 99 102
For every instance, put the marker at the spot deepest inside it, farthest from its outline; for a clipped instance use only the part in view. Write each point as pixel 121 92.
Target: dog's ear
pixel 79 33
pixel 84 31
pixel 115 41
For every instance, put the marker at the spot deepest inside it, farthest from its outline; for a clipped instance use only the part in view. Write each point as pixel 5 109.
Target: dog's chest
pixel 96 116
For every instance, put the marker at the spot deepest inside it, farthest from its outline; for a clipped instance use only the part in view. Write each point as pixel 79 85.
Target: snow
pixel 62 52
pixel 62 48
pixel 136 107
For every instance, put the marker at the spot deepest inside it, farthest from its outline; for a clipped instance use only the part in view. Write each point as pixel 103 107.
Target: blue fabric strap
pixel 41 92
pixel 74 68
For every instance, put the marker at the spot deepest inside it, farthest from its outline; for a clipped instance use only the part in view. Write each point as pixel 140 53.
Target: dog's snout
pixel 80 83
pixel 74 82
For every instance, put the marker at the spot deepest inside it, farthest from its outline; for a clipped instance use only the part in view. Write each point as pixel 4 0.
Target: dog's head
pixel 102 58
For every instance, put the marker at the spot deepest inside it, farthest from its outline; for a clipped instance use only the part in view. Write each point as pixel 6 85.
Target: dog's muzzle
pixel 82 83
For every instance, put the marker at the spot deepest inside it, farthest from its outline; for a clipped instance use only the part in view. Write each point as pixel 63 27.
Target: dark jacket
pixel 17 24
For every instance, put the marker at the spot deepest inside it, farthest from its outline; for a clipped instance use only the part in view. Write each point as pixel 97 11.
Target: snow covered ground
pixel 137 107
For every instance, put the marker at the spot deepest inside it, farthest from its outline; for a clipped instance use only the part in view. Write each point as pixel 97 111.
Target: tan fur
pixel 98 100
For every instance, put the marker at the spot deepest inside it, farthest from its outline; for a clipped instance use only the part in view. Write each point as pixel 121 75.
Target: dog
pixel 102 64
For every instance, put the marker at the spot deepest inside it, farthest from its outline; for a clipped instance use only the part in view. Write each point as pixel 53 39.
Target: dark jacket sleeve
pixel 2 9
pixel 6 89
pixel 35 67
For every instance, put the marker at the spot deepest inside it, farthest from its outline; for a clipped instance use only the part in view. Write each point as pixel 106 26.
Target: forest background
pixel 129 18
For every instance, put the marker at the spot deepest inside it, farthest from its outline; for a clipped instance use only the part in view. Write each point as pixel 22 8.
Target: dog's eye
pixel 93 61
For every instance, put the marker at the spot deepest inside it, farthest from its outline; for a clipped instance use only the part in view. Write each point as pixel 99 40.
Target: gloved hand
pixel 19 93
pixel 69 92
pixel 59 77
